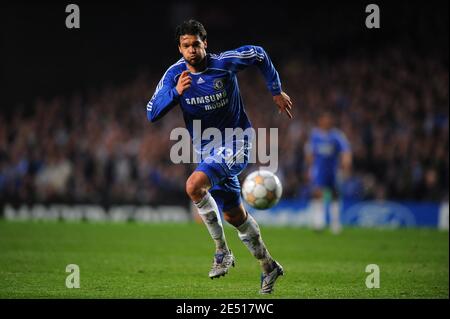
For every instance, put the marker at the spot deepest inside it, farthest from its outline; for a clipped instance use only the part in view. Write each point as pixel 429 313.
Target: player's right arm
pixel 309 159
pixel 167 94
pixel 346 157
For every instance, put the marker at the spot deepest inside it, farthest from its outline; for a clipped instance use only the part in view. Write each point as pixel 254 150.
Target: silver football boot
pixel 222 262
pixel 268 280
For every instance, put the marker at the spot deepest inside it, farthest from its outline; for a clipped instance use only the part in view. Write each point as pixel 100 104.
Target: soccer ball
pixel 262 189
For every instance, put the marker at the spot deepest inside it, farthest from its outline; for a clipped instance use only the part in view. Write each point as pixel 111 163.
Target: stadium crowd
pixel 98 146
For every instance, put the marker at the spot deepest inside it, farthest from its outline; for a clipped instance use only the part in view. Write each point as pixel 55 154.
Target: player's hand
pixel 284 103
pixel 184 82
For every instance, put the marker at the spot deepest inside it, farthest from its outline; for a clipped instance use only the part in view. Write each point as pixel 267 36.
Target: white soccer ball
pixel 262 189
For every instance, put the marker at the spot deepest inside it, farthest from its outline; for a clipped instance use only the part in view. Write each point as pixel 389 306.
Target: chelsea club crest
pixel 218 84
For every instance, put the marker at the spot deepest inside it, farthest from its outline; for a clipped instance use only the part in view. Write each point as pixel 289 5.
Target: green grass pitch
pixel 130 260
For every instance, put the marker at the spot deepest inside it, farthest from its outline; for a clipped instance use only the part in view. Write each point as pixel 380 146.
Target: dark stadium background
pixel 118 38
pixel 122 49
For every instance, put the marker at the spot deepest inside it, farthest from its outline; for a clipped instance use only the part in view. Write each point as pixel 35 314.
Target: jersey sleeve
pixel 164 98
pixel 249 55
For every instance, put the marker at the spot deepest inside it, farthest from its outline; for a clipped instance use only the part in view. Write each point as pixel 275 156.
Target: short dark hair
pixel 191 27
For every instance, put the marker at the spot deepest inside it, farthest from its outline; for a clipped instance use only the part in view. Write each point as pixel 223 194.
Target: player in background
pixel 206 88
pixel 329 160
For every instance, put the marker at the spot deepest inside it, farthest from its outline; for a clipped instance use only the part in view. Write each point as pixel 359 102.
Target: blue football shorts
pixel 324 178
pixel 222 166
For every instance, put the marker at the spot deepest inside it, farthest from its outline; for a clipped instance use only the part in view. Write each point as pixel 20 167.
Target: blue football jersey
pixel 214 96
pixel 326 148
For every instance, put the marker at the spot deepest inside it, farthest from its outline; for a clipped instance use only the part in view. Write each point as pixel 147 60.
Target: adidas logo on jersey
pixel 200 81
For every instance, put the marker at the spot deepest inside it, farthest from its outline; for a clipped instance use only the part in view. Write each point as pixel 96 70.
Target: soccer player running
pixel 206 88
pixel 329 159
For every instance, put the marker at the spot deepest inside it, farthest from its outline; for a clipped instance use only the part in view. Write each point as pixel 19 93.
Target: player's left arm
pixel 249 55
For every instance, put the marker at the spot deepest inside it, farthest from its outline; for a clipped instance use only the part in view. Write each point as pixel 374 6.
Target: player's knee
pixel 195 190
pixel 234 219
pixel 228 218
pixel 191 187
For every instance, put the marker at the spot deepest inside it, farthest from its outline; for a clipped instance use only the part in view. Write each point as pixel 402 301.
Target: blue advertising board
pixel 359 213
